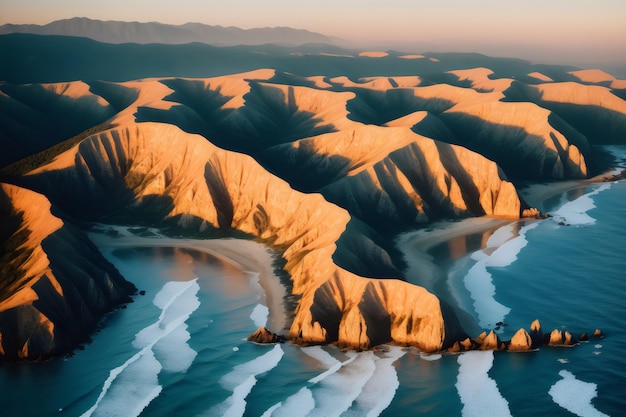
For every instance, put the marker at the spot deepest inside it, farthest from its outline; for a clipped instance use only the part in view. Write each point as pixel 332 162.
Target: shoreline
pixel 461 236
pixel 257 259
pixel 535 194
pixel 246 255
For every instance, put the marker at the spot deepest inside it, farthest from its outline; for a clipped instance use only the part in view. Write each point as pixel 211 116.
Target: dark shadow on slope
pixel 368 253
pixel 34 118
pixel 325 310
pixel 363 199
pixel 91 287
pixel 415 166
pixel 286 78
pixel 302 166
pixel 621 93
pixel 220 197
pixel 583 125
pixel 470 192
pixel 13 253
pixel 519 154
pixel 97 188
pixel 453 329
pixel 268 117
pixel 444 78
pixel 24 165
pixel 521 92
pixel 432 127
pixel 383 203
pixel 119 96
pixel 377 318
pixel 599 125
pixel 380 107
pixel 32 58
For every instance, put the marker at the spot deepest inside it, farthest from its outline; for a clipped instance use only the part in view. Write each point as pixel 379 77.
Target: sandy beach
pixel 534 194
pixel 246 255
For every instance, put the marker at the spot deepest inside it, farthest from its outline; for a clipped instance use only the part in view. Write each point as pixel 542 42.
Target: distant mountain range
pixel 154 32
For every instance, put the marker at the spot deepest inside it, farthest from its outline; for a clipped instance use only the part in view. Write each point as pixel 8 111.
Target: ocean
pixel 181 349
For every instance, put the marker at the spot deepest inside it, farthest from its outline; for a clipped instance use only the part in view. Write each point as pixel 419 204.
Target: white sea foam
pixel 480 286
pixel 479 393
pixel 575 396
pixel 173 351
pixel 333 365
pixel 299 404
pixel 319 354
pixel 242 379
pixel 335 393
pixel 575 211
pixel 129 388
pixel 507 253
pixel 478 280
pixel 163 345
pixel 500 236
pixel 380 389
pixel 259 315
pixel 303 399
pixel 363 385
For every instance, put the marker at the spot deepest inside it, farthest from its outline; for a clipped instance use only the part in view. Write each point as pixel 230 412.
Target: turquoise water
pixel 181 350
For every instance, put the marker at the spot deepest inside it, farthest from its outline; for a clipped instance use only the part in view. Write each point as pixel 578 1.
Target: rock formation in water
pixel 522 341
pixel 327 170
pixel 55 284
pixel 262 335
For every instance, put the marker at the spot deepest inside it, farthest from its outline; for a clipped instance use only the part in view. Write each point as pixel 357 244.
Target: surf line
pixel 476 389
pixel 241 380
pixel 177 300
pixel 348 388
pixel 479 281
pixel 575 395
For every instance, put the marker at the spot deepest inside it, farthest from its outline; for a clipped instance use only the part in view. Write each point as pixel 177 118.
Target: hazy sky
pixel 582 30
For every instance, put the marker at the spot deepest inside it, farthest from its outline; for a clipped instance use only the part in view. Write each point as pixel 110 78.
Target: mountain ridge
pixel 113 31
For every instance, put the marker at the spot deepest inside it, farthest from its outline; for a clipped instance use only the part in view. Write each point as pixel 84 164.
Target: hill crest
pixel 112 31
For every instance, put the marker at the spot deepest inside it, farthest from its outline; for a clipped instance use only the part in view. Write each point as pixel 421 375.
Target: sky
pixel 552 31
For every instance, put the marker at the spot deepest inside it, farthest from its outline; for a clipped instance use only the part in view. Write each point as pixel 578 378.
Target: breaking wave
pixel 163 346
pixel 362 385
pixel 501 251
pixel 478 392
pixel 575 212
pixel 241 380
pixel 575 396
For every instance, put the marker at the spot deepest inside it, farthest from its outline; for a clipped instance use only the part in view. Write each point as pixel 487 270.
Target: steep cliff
pixel 55 283
pixel 184 179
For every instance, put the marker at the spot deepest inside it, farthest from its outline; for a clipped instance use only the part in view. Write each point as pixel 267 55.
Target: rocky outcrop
pixel 521 341
pixel 55 283
pixel 264 336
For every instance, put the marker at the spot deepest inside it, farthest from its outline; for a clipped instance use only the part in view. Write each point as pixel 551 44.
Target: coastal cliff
pixel 55 283
pixel 326 170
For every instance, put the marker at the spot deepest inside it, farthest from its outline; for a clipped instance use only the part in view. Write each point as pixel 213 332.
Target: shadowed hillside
pixel 33 58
